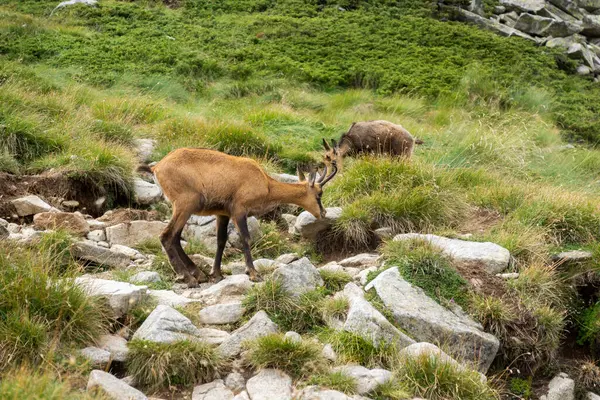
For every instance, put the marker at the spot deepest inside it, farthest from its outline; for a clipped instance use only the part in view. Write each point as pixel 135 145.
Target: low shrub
pixel 159 365
pixel 298 359
pixel 521 387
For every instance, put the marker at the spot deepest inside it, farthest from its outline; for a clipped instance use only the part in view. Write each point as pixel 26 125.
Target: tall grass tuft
pixel 28 384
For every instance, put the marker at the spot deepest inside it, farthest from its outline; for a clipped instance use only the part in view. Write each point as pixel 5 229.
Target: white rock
pixel 293 337
pixel 427 321
pixel 96 225
pixel 13 228
pixel 167 325
pixel 98 358
pixel 508 276
pixel 366 380
pixel 363 275
pixel 309 227
pixel 490 256
pixel 215 390
pixel 258 326
pixel 146 277
pixel 242 396
pixel 133 254
pixel 298 277
pixel 113 387
pixel 329 353
pixel 315 393
pixel 270 384
pixel 531 6
pixel 92 251
pixel 287 258
pixel 3 223
pixel 144 148
pixel 591 396
pixel 235 381
pixel 561 387
pixel 572 256
pixel 169 298
pixel 264 265
pixel 115 345
pixel 287 178
pixel 365 321
pixel 134 232
pixel 213 336
pixel 229 290
pixel 121 296
pixel 146 193
pixel 30 205
pixel 290 221
pixel 362 261
pixel 222 313
pixel 97 235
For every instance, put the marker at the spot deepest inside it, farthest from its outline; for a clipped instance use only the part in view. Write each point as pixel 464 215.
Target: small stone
pixel 113 387
pixel 121 296
pixel 221 314
pixel 574 256
pixel 235 381
pixel 259 325
pixel 133 254
pixel 215 390
pixel 366 380
pixel 146 277
pixel 30 205
pixel 96 235
pixel 98 358
pixel 309 227
pixel 508 276
pixel 561 387
pixel 146 193
pixel 115 345
pixel 287 258
pixel 270 384
pixel 70 203
pixel 167 325
pixel 329 353
pixel 364 260
pixel 230 289
pixel 298 277
pixel 293 337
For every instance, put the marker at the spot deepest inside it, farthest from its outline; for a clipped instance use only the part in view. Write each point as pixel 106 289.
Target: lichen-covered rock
pixel 113 387
pixel 528 6
pixel 427 321
pixel 167 325
pixel 309 227
pixel 229 290
pixel 215 390
pixel 115 345
pixel 71 222
pixel 591 25
pixel 135 232
pixel 298 277
pixel 235 381
pixel 146 277
pixel 121 296
pixel 219 314
pixel 361 261
pixel 97 357
pixel 30 205
pixel 365 321
pixel 169 298
pixel 490 256
pixel 270 384
pixel 146 193
pixel 541 26
pixel 561 387
pixel 259 325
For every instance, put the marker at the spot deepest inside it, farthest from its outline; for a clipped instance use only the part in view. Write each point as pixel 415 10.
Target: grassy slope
pixel 266 80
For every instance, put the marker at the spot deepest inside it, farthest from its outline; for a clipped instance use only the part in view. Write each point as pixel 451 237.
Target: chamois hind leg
pixel 222 223
pixel 242 225
pixel 171 241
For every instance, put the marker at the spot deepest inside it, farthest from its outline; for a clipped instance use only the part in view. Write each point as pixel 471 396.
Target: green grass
pixel 27 384
pixel 160 365
pixel 334 381
pixel 334 281
pixel 351 348
pixel 298 359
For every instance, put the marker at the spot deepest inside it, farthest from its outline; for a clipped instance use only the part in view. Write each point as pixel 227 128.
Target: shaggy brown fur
pixel 382 137
pixel 208 182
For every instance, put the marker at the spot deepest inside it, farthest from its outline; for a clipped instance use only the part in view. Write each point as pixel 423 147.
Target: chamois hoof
pixel 214 278
pixel 191 282
pixel 254 277
pixel 200 276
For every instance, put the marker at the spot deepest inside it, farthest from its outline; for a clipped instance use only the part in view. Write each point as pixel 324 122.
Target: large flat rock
pixel 259 325
pixel 134 232
pixel 270 384
pixel 113 387
pixel 88 250
pixel 298 277
pixel 489 256
pixel 167 325
pixel 427 321
pixel 121 296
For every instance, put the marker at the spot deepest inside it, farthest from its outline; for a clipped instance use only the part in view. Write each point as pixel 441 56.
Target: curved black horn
pixel 335 169
pixel 323 175
pixel 326 145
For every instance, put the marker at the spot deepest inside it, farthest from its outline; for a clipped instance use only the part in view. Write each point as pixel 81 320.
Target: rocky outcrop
pixel 427 321
pixel 366 379
pixel 135 232
pixel 270 384
pixel 121 296
pixel 489 256
pixel 113 387
pixel 309 227
pixel 71 222
pixel 298 277
pixel 30 205
pixel 259 325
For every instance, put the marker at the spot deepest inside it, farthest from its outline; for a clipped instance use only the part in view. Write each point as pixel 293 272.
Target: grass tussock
pixel 334 281
pixel 271 243
pixel 351 348
pixel 300 315
pixel 298 359
pixel 334 381
pixel 28 384
pixel 159 365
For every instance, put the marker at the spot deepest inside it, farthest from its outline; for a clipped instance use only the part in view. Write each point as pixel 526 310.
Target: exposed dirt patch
pixel 480 221
pixel 56 187
pixel 482 281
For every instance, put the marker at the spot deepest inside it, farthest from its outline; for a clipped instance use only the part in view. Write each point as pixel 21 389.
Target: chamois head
pixel 312 202
pixel 332 153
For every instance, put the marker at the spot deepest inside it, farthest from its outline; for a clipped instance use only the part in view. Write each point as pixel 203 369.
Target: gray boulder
pixel 561 387
pixel 115 345
pixel 309 227
pixel 215 390
pixel 315 393
pixel 361 261
pixel 527 6
pixel 568 6
pixel 113 387
pixel 30 205
pixel 493 26
pixel 98 358
pixel 146 277
pixel 229 290
pixel 427 321
pixel 144 148
pixel 591 25
pixel 169 298
pixel 270 384
pixel 298 277
pixel 489 256
pixel 134 232
pixel 146 193
pixel 222 313
pixel 366 379
pixel 259 325
pixel 589 5
pixel 365 321
pixel 541 26
pixel 121 296
pixel 235 381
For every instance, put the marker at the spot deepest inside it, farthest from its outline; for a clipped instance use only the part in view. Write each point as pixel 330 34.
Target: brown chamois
pixel 208 182
pixel 379 136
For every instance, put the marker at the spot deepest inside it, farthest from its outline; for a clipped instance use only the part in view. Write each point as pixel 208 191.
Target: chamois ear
pixel 326 145
pixel 312 177
pixel 301 176
pixel 335 146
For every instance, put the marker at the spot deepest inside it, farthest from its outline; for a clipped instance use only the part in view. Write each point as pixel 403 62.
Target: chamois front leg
pixel 222 223
pixel 242 225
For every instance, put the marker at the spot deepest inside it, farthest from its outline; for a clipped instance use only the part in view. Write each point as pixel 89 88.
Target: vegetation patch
pixel 28 384
pixel 352 348
pixel 159 365
pixel 334 281
pixel 334 381
pixel 298 359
